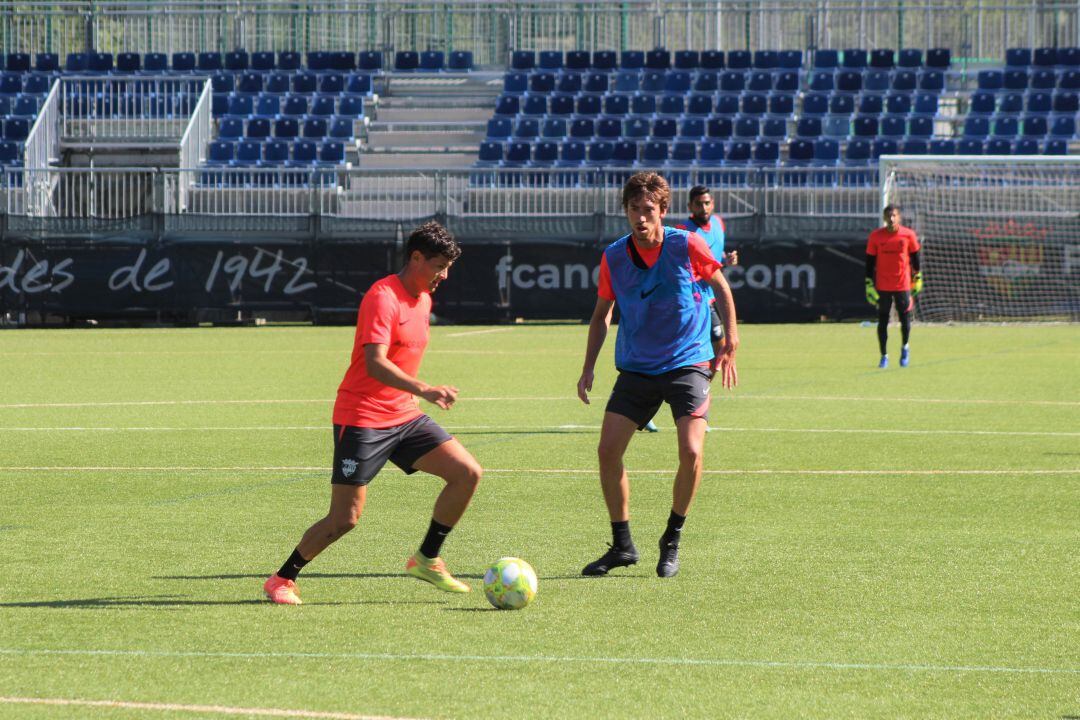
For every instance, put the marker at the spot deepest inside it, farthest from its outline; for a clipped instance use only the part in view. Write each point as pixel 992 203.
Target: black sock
pixel 434 539
pixel 292 566
pixel 674 527
pixel 620 535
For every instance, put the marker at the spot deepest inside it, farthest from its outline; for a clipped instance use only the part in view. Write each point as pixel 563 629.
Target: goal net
pixel 1000 235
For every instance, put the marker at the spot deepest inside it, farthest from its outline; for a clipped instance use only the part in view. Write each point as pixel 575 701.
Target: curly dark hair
pixel 433 239
pixel 647 184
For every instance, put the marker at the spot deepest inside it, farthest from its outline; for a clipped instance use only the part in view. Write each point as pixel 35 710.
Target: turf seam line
pixel 434 657
pixel 201 709
pixel 535 471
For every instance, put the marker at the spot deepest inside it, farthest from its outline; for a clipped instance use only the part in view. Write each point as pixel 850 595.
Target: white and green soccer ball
pixel 510 583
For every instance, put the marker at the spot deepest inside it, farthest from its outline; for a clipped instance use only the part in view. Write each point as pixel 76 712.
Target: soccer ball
pixel 510 583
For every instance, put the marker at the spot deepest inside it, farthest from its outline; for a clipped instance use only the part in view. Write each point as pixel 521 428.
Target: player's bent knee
pixel 691 454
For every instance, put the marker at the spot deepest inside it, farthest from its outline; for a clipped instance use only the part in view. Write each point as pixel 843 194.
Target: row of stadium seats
pixel 291 105
pixel 1021 57
pixel 304 81
pixel 370 61
pixel 987 103
pixel 287 127
pixel 855 152
pixel 724 81
pixel 275 152
pixel 19 105
pixel 662 59
pixel 1022 79
pixel 699 104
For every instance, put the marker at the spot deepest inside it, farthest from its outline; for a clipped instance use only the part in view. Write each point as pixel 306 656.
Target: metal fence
pixel 193 143
pixel 975 30
pixel 406 195
pixel 125 110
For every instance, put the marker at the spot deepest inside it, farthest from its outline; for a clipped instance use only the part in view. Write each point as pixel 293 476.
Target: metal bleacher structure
pixel 388 111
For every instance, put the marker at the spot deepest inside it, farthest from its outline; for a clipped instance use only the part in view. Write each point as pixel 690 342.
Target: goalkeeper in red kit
pixel 893 275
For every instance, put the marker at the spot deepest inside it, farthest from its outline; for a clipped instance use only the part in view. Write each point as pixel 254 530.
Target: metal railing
pixel 139 110
pixel 197 135
pixel 980 29
pixel 404 195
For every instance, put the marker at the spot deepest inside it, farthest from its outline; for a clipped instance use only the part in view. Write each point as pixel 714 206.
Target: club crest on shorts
pixel 348 467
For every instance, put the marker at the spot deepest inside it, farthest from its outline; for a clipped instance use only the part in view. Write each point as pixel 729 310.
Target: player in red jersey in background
pixel 377 418
pixel 892 255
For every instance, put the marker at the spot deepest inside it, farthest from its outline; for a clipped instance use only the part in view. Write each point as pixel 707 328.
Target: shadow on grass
pixel 177 601
pixel 305 576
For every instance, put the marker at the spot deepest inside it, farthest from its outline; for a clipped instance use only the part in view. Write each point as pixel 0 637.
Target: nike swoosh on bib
pixel 647 293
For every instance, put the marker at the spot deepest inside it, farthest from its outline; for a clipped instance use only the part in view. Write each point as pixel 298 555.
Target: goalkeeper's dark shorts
pixel 638 396
pixel 902 298
pixel 360 453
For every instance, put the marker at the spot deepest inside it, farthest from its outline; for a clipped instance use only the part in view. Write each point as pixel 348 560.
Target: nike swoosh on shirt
pixel 647 293
pixel 402 322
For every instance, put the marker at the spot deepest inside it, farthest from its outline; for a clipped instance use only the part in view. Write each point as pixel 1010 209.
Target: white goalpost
pixel 1000 234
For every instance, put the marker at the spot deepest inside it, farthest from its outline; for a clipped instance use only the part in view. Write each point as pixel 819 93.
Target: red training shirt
pixel 389 316
pixel 701 260
pixel 893 250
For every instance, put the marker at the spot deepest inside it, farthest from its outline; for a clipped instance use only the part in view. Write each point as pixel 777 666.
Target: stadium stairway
pixel 430 121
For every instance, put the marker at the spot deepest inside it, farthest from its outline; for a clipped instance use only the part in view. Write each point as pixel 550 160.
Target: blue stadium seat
pixel 47 62
pixel 910 58
pixel 789 59
pixel 499 128
pixel 249 82
pixel 331 83
pixel 491 154
pixel 925 104
pixel 550 60
pixel 636 128
pixel 1006 127
pixel 747 127
pixel 683 153
pixel 305 82
pixel 263 61
pixel 786 81
pixel 882 58
pixel 1018 57
pixel 969 146
pixel 545 153
pixel 632 60
pixel 248 153
pixel 219 104
pixel 1034 126
pixel 553 128
pixel 370 61
pixel 588 105
pixel 921 126
pixel 871 104
pixel 155 63
pixel 826 59
pixel 304 153
pixel 665 128
pixel 943 146
pixel 275 152
pixel 460 61
pixel 231 128
pixel 1015 79
pixel 1066 102
pixel 323 106
pixel 128 62
pixel 800 153
pixel 826 152
pixel 652 81
pixel 236 61
pixel 37 84
pixel 739 59
pixel 692 128
pixel 876 81
pixel 595 82
pixel 998 146
pixel 766 153
pixel 1026 146
pixel 687 59
pixel 535 105
pixel 1056 146
pixel 940 58
pixel 719 127
pixel 1069 80
pixel 277 83
pixel 240 105
pixel 1068 57
pixel 782 105
pixel 17 62
pixel 78 63
pixel 815 104
pixel 976 127
pixel 578 61
pixel 658 59
pixel 774 129
pixel 209 62
pixel 616 105
pixel 914 146
pixel 523 60
pixel 432 61
pixel 711 153
pixel 760 81
pixel 223 82
pixel 904 81
pixel 892 126
pixel 898 104
pixel 1043 79
pixel 561 105
pixel 850 81
pixel 739 151
pixel 808 127
pixel 932 80
pixel 754 104
pixel 257 129
pixel 677 82
pixel 100 62
pixel 515 83
pixel 406 61
pixel 884 146
pixel 655 152
pixel 608 128
pixel 766 59
pixel 671 105
pixel 865 126
pixel 221 152
pixel 287 127
pixel 854 58
pixel 982 103
pixel 358 84
pixel 820 81
pixel 525 127
pixel 1044 57
pixel 505 105
pixel 331 152
pixel 712 59
pixel 857 151
pixel 9 155
pixel 727 105
pixel 605 60
pixel 1039 102
pixel 267 106
pixel 1063 126
pixel 836 126
pixel 626 81
pixel 289 60
pixel 582 128
pixel 571 154
pixel 700 104
pixel 732 81
pixel 599 152
pixel 295 106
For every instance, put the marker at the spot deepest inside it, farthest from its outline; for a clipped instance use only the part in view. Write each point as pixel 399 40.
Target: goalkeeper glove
pixel 916 287
pixel 871 292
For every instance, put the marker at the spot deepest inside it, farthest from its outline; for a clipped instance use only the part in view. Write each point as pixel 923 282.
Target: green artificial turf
pixel 865 544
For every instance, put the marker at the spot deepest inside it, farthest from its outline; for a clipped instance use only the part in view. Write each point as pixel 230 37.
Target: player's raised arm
pixel 598 328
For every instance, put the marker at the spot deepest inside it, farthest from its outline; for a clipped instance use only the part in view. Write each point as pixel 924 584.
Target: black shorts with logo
pixel 360 453
pixel 638 396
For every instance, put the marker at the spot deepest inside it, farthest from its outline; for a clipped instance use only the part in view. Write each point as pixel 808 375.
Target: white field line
pixel 533 398
pixel 585 659
pixel 200 709
pixel 539 471
pixel 549 428
pixel 478 332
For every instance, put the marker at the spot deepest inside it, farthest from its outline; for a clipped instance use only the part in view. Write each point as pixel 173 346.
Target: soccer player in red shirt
pixel 892 254
pixel 377 418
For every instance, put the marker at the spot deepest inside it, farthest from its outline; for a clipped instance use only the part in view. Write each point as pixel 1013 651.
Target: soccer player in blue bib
pixel 663 353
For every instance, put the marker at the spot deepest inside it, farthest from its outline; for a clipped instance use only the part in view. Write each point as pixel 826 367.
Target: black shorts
pixel 716 329
pixel 360 453
pixel 902 298
pixel 638 397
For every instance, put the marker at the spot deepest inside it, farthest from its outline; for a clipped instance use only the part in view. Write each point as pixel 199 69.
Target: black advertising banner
pixel 212 279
